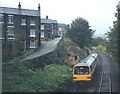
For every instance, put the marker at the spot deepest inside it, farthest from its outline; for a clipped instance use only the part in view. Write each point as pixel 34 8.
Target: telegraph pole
pixel 39 27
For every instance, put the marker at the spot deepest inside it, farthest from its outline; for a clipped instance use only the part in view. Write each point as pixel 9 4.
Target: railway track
pixel 105 83
pixel 81 87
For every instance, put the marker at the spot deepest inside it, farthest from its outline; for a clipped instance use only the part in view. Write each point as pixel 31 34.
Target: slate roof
pixel 48 21
pixel 45 20
pixel 6 10
pixel 53 21
pixel 61 25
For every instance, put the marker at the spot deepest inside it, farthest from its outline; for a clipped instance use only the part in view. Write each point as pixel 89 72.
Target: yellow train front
pixel 84 70
pixel 81 73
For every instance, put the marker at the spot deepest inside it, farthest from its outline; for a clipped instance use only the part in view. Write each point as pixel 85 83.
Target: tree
pixel 113 38
pixel 99 41
pixel 18 78
pixel 79 31
pixel 113 41
pixel 7 51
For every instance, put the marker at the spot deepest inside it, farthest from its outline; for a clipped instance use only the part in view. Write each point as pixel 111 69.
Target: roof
pixel 88 60
pixel 48 21
pixel 61 25
pixel 53 21
pixel 5 10
pixel 45 20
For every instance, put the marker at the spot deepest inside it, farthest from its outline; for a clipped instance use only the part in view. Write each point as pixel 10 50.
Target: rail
pixel 105 83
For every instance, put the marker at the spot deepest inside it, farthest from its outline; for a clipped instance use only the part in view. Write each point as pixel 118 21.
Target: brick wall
pixel 22 32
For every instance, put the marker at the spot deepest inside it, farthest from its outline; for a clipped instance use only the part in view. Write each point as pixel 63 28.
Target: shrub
pixel 20 79
pixel 51 78
pixel 101 47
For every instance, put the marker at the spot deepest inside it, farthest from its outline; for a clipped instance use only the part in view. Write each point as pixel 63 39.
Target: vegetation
pixel 51 74
pixel 17 78
pixel 100 43
pixel 47 75
pixel 101 47
pixel 64 54
pixel 113 38
pixel 9 51
pixel 72 49
pixel 79 31
pixel 18 51
pixel 110 46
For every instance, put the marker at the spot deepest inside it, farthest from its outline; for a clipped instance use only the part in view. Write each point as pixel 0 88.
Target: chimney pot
pixel 19 6
pixel 47 17
pixel 39 6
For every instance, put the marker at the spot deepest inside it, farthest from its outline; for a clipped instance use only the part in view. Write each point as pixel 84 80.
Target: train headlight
pixel 74 77
pixel 88 77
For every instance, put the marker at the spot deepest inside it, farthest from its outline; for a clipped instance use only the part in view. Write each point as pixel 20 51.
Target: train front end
pixel 81 73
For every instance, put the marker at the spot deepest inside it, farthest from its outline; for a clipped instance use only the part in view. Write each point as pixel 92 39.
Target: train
pixel 85 69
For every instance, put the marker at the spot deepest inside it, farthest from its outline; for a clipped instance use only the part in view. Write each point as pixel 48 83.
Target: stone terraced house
pixel 61 29
pixel 49 29
pixel 21 26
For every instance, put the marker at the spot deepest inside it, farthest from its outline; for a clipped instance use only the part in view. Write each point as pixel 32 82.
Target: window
pixel 32 32
pixel 23 21
pixel 42 27
pixel 11 39
pixel 32 44
pixel 42 34
pixel 10 30
pixel 52 25
pixel 60 29
pixel 52 32
pixel 10 19
pixel 32 22
pixel 81 70
pixel 1 18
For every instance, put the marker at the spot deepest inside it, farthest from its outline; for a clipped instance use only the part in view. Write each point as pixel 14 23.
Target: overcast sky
pixel 99 13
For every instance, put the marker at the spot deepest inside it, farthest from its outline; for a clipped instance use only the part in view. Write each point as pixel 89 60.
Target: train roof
pixel 88 60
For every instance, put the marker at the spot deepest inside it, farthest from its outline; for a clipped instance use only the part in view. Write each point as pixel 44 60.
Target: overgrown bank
pixel 20 79
pixel 49 73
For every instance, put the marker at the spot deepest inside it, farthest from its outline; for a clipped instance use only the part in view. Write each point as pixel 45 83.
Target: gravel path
pixel 46 47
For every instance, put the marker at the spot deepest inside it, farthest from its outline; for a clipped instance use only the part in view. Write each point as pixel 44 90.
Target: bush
pixel 7 51
pixel 17 78
pixel 18 50
pixel 14 76
pixel 51 78
pixel 101 47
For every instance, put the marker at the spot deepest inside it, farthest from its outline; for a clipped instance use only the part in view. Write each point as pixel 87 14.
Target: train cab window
pixel 81 70
pixel 91 68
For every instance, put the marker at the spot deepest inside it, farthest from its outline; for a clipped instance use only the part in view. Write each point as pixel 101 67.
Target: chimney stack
pixel 19 6
pixel 39 6
pixel 47 17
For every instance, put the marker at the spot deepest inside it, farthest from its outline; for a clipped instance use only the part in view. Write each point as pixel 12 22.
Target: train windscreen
pixel 81 70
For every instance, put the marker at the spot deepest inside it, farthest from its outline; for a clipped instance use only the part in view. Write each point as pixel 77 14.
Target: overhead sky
pixel 99 13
